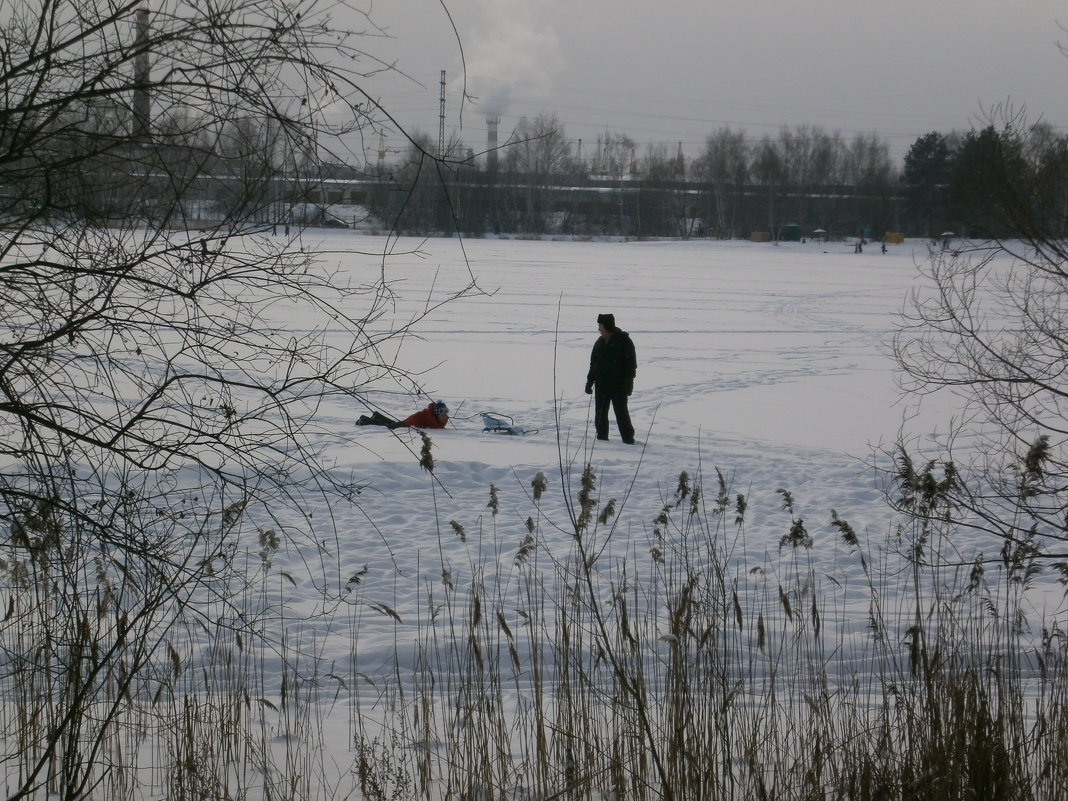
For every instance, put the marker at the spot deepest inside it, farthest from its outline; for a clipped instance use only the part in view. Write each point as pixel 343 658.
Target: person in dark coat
pixel 613 365
pixel 435 415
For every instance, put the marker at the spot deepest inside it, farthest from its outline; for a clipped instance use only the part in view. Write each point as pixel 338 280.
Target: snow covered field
pixel 449 631
pixel 768 363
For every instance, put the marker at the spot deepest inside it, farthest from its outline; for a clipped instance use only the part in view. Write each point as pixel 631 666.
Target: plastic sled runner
pixel 502 424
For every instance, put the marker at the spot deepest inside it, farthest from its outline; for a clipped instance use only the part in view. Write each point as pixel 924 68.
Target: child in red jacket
pixel 435 415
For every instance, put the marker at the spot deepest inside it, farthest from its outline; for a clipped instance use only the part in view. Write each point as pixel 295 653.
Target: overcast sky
pixel 673 71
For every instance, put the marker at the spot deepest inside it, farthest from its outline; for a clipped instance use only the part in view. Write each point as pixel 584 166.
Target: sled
pixel 502 424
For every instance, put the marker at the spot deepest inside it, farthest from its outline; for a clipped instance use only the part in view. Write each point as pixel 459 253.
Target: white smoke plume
pixel 512 48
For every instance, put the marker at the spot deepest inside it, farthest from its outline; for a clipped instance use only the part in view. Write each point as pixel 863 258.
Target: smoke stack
pixel 142 102
pixel 491 144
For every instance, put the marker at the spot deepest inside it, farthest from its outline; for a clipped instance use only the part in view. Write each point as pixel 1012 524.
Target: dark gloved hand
pixel 589 389
pixel 630 388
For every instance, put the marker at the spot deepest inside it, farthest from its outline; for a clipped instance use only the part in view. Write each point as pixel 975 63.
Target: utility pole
pixel 441 119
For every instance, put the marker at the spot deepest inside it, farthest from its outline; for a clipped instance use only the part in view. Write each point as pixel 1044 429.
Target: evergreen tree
pixel 925 175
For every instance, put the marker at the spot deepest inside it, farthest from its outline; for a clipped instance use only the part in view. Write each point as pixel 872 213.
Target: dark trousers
pixel 618 401
pixel 378 419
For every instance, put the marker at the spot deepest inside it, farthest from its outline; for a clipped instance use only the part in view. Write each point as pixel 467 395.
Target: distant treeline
pixel 803 180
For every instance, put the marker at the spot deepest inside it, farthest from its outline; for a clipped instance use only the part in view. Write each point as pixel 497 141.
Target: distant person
pixel 613 365
pixel 435 415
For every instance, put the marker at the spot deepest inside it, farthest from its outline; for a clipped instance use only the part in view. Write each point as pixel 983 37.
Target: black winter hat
pixel 607 320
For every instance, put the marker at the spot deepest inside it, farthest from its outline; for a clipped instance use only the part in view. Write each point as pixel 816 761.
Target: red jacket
pixel 424 418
